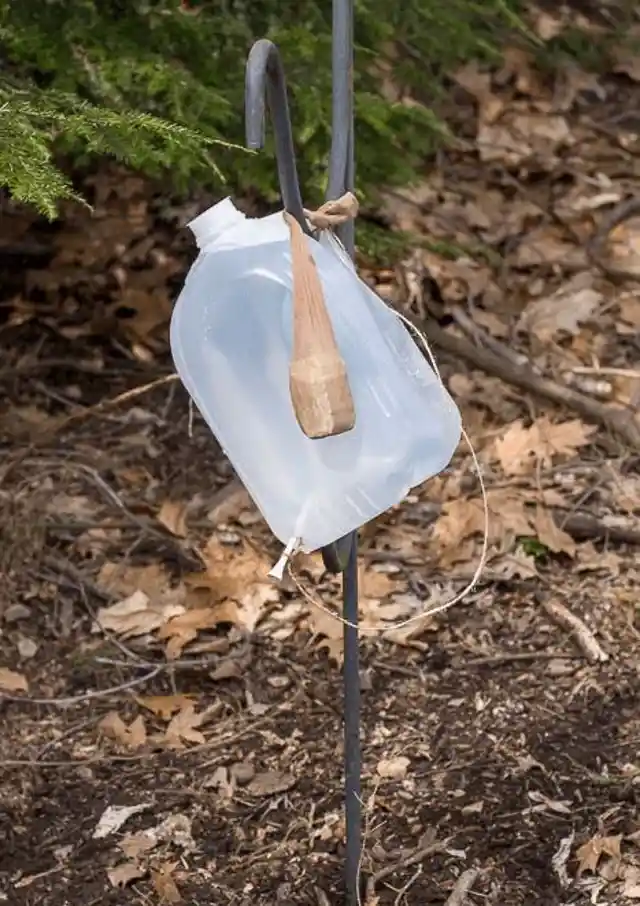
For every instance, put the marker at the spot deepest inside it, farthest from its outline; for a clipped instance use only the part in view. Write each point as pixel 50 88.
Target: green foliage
pixel 161 86
pixel 532 547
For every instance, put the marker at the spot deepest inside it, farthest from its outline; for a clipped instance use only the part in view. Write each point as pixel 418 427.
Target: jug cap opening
pixel 219 218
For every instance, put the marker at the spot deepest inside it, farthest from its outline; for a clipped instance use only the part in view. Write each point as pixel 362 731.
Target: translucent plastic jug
pixel 231 339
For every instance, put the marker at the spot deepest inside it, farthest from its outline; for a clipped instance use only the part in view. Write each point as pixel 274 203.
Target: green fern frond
pixel 161 87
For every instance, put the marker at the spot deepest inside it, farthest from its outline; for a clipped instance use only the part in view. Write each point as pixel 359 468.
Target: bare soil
pixel 491 739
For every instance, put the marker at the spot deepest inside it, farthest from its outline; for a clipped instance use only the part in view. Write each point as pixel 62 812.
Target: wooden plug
pixel 318 379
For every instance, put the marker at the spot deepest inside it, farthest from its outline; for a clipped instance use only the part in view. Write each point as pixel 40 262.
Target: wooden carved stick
pixel 318 380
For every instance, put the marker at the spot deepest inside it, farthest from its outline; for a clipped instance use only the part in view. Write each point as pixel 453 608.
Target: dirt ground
pixel 501 736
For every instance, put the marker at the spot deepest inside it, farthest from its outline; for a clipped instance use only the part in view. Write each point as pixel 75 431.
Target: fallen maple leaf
pixel 563 438
pixel 10 681
pixel 519 448
pixel 184 726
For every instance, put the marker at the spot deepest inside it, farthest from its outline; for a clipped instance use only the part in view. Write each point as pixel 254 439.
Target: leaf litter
pixel 512 256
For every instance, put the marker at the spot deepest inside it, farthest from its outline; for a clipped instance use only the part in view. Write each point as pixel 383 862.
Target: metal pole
pixel 342 179
pixel 265 72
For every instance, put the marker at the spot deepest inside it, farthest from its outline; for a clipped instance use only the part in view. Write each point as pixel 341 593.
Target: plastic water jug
pixel 231 340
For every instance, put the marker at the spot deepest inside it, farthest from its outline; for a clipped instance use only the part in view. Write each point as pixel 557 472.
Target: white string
pixel 292 546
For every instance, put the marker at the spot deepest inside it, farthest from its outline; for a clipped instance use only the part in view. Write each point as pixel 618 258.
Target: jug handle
pixel 318 379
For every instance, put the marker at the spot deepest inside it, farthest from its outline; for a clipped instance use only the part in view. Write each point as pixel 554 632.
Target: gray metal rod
pixel 342 179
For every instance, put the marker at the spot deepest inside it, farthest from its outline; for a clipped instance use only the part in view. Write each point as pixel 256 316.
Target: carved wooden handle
pixel 318 379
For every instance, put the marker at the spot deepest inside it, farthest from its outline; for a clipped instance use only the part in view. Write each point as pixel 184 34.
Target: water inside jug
pixel 231 339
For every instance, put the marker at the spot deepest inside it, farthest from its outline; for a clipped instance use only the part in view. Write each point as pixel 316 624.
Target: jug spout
pixel 215 221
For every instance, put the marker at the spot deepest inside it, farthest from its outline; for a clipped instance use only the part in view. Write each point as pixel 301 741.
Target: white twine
pixel 284 563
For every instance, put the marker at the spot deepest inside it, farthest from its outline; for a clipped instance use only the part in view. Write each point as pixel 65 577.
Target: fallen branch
pixel 620 422
pixel 462 888
pixel 582 635
pixel 583 528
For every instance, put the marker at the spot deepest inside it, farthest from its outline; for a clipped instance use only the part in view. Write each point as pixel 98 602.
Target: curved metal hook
pixel 265 75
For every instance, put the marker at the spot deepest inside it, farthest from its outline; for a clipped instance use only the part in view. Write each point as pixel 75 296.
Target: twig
pixel 620 422
pixel 475 332
pixel 431 849
pixel 114 401
pixel 462 887
pixel 584 638
pixel 86 696
pixel 516 656
pixel 604 369
pixel 412 880
pixel 595 247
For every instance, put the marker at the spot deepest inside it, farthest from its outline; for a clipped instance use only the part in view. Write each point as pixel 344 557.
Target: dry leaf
pixel 137 733
pixel 623 246
pixel 114 816
pixel 124 873
pixel 238 577
pixel 229 503
pixel 421 618
pixel 393 768
pixel 173 515
pixel 230 570
pixel 271 782
pixel 546 246
pixel 164 706
pixel 164 884
pixel 118 579
pixel 551 535
pixel 564 311
pixel 515 566
pixel 10 681
pixel 375 584
pixel 182 629
pixel 133 736
pixel 630 313
pixel 183 727
pixel 590 853
pixel 463 518
pixel 520 137
pixel 519 448
pixel 631 888
pixel 325 624
pixel 137 615
pixel 175 829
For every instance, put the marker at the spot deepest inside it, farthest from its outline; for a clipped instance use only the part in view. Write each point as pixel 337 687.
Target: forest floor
pixel 170 720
